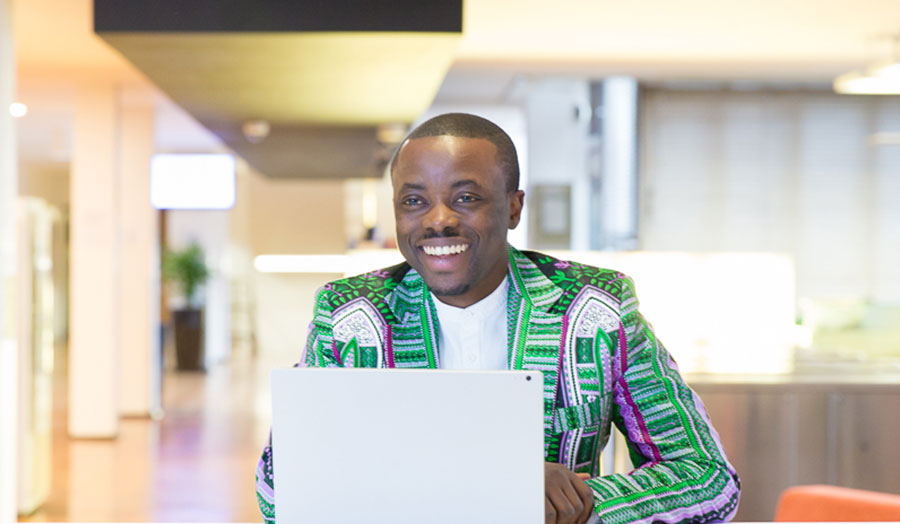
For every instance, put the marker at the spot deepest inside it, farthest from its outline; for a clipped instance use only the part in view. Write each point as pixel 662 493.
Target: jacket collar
pixel 530 318
pixel 530 282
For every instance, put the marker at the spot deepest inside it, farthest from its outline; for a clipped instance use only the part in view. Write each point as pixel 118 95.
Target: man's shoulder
pixel 373 286
pixel 563 272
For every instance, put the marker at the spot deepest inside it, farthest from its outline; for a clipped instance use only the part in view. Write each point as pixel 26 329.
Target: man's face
pixel 453 212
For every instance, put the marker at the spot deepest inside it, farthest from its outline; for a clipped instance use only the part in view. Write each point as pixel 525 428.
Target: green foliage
pixel 186 269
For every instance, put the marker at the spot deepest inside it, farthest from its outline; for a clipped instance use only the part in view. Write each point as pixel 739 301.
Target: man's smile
pixel 445 256
pixel 437 251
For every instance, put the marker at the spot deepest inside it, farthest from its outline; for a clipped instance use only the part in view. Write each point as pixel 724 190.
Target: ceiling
pixel 323 79
pixel 661 40
pixel 763 39
pixel 322 94
pixel 657 39
pixel 331 78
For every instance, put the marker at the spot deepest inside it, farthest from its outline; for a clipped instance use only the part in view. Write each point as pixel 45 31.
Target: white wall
pixel 795 173
pixel 283 216
pixel 284 309
pixel 558 115
pixel 8 349
pixel 885 209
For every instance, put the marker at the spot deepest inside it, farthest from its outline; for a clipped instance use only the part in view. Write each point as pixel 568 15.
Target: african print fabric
pixel 601 362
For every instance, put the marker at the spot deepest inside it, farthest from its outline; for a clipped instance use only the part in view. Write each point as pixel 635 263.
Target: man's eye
pixel 467 198
pixel 412 201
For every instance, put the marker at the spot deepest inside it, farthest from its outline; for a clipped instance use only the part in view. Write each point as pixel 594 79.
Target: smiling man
pixel 454 200
pixel 466 299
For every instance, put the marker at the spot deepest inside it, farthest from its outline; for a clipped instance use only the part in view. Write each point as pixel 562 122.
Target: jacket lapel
pixel 413 337
pixel 535 334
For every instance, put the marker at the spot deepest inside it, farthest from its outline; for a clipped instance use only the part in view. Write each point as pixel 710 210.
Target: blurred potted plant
pixel 187 270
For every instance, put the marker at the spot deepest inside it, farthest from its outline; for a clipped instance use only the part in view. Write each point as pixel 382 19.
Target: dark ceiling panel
pixel 307 151
pixel 277 15
pixel 323 74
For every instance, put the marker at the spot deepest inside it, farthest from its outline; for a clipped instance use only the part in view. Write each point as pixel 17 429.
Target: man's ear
pixel 516 202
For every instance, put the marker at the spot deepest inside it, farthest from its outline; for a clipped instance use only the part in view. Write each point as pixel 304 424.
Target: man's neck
pixel 489 297
pixel 467 299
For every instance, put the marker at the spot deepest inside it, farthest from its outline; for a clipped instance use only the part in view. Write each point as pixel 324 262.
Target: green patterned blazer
pixel 580 327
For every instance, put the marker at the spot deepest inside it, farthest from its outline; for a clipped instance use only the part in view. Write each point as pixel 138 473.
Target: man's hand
pixel 568 500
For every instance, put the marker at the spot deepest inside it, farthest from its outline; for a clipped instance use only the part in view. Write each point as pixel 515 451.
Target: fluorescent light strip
pixel 883 79
pixel 301 263
pixel 857 84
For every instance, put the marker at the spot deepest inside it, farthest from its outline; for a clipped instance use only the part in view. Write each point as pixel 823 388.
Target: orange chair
pixel 836 504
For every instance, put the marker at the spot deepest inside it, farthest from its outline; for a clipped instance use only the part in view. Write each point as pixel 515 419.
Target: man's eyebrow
pixel 408 186
pixel 464 182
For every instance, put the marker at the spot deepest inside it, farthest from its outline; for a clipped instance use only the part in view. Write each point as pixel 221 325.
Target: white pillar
pixel 138 289
pixel 94 310
pixel 620 183
pixel 8 347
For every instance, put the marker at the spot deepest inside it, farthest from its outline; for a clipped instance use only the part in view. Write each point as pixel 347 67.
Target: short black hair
pixel 465 125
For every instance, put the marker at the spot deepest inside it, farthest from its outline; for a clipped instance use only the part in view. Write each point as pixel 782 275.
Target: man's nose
pixel 441 217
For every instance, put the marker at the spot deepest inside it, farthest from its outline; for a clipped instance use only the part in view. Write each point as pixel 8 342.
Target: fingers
pixel 568 504
pixel 564 509
pixel 587 499
pixel 568 499
pixel 549 511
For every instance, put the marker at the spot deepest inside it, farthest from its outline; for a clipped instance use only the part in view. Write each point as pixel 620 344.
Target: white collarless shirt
pixel 474 337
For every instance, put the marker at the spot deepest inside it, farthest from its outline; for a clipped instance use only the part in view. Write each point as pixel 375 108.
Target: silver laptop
pixel 367 446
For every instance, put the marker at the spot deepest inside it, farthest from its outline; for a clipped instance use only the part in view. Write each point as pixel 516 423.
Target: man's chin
pixel 443 283
pixel 448 289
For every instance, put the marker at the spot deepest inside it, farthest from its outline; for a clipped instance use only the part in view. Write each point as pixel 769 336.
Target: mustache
pixel 447 232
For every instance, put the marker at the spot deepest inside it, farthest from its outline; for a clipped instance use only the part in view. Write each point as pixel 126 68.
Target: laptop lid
pixel 407 446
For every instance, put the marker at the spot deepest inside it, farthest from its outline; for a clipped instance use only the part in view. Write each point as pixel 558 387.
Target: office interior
pixel 717 152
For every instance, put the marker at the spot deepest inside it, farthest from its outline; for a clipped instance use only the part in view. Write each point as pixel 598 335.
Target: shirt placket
pixel 472 340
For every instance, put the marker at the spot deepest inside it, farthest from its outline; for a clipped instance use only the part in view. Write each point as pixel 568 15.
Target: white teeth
pixel 438 251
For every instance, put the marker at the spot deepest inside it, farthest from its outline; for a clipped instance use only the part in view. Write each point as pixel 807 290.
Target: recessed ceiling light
pixel 18 109
pixel 255 131
pixel 391 133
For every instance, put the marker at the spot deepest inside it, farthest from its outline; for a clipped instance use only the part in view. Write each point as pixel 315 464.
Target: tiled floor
pixel 196 464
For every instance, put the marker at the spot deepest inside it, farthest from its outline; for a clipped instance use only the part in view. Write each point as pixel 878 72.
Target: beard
pixel 459 289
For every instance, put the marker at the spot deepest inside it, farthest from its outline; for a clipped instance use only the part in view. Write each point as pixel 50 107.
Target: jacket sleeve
pixel 318 352
pixel 682 474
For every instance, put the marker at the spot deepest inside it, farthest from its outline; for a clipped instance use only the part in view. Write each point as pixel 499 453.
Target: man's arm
pixel 682 473
pixel 317 353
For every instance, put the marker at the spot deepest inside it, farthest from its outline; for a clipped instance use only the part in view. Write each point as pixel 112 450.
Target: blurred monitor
pixel 192 181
